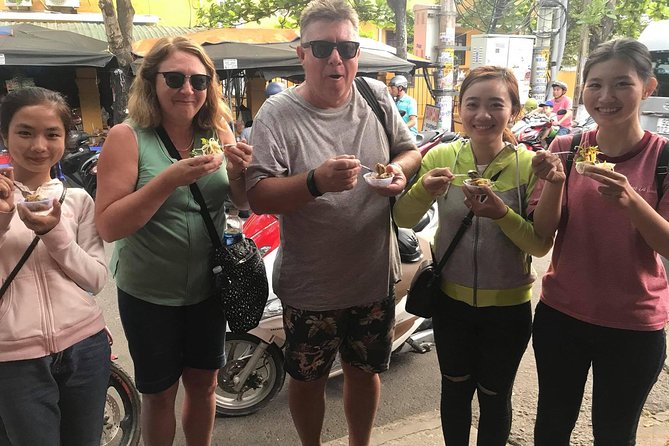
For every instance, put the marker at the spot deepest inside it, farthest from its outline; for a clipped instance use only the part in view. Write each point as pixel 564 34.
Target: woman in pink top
pixel 54 351
pixel 604 298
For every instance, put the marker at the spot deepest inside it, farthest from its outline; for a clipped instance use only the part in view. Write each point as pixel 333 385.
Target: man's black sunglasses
pixel 174 79
pixel 323 48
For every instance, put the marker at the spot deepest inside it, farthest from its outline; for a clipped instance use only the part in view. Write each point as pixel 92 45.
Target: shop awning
pixel 272 52
pixel 31 45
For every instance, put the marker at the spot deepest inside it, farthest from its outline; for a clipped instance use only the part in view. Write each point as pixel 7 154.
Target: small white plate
pixel 372 180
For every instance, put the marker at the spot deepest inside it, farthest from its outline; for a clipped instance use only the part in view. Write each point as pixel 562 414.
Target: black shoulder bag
pixel 239 272
pixel 24 258
pixel 426 283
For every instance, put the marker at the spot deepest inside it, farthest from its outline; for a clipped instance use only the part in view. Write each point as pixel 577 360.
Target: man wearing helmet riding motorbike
pixel 562 102
pixel 405 104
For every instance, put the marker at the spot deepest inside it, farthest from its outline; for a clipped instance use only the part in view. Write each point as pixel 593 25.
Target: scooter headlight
pixel 272 308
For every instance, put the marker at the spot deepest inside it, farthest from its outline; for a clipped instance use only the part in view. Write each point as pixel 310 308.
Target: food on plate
pixel 34 197
pixel 587 155
pixel 209 147
pixel 381 172
pixel 475 185
pixel 36 203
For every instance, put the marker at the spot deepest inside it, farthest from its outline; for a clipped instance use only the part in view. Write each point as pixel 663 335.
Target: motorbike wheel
pixel 261 386
pixel 122 411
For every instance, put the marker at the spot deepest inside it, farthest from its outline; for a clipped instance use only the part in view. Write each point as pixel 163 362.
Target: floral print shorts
pixel 363 336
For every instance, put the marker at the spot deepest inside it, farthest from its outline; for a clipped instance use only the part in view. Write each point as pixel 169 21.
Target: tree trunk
pixel 399 8
pixel 604 31
pixel 119 37
pixel 497 13
pixel 583 55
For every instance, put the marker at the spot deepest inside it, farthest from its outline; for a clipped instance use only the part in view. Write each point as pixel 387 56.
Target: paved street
pixel 409 407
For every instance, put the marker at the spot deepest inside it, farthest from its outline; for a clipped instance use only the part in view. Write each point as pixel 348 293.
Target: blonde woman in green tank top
pixel 175 329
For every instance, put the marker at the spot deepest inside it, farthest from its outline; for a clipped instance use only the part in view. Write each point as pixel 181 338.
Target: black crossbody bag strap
pixel 373 102
pixel 194 189
pixel 26 254
pixel 661 170
pixel 466 223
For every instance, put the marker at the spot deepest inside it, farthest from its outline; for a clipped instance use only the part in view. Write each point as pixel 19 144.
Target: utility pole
pixel 560 39
pixel 444 90
pixel 582 57
pixel 541 52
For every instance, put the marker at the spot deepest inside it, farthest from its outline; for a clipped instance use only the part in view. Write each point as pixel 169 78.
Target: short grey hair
pixel 329 10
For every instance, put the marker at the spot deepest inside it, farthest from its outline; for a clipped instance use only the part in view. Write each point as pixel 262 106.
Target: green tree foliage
pixel 606 19
pixel 496 16
pixel 232 13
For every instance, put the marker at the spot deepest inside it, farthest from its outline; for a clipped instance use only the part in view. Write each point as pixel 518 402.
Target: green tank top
pixel 166 262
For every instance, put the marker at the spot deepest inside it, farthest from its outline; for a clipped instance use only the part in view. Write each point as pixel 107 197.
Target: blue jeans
pixel 58 399
pixel 479 350
pixel 563 131
pixel 625 365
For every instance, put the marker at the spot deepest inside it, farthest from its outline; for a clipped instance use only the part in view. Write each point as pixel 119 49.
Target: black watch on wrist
pixel 311 184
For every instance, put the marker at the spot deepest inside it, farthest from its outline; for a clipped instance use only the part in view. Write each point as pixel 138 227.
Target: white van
pixel 655 109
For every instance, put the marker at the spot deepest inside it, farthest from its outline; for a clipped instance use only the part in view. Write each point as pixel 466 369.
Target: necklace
pixel 187 149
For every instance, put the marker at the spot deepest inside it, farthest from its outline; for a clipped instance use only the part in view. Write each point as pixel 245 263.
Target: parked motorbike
pixel 122 408
pixel 78 166
pixel 536 131
pixel 428 139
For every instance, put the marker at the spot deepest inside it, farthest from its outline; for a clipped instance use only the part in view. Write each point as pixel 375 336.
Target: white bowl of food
pixel 378 180
pixel 37 203
pixel 581 166
pixel 475 185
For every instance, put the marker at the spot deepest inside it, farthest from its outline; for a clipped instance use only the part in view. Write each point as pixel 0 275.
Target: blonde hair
pixel 328 10
pixel 143 106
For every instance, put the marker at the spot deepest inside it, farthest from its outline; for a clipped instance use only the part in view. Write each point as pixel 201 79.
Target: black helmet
pixel 273 88
pixel 410 251
pixel 560 84
pixel 399 81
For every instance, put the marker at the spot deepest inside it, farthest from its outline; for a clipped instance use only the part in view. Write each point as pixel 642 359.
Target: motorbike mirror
pixel 402 113
pixel 561 112
pixel 449 136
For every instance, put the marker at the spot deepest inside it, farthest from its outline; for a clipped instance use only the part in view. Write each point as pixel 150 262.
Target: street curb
pixel 424 429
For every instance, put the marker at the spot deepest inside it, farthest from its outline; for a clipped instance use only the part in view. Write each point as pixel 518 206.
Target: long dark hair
pixel 26 97
pixel 629 50
pixel 490 72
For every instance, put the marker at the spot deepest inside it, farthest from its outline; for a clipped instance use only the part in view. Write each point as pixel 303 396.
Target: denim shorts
pixel 363 335
pixel 164 340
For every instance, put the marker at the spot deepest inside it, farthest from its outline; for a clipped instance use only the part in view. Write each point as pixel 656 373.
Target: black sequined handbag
pixel 241 280
pixel 238 270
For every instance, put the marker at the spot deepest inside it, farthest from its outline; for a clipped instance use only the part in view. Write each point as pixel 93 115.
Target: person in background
pixel 544 109
pixel 246 132
pixel 562 102
pixel 405 104
pixel 239 129
pixel 171 315
pixel 54 351
pixel 271 89
pixel 483 316
pixel 310 143
pixel 604 298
